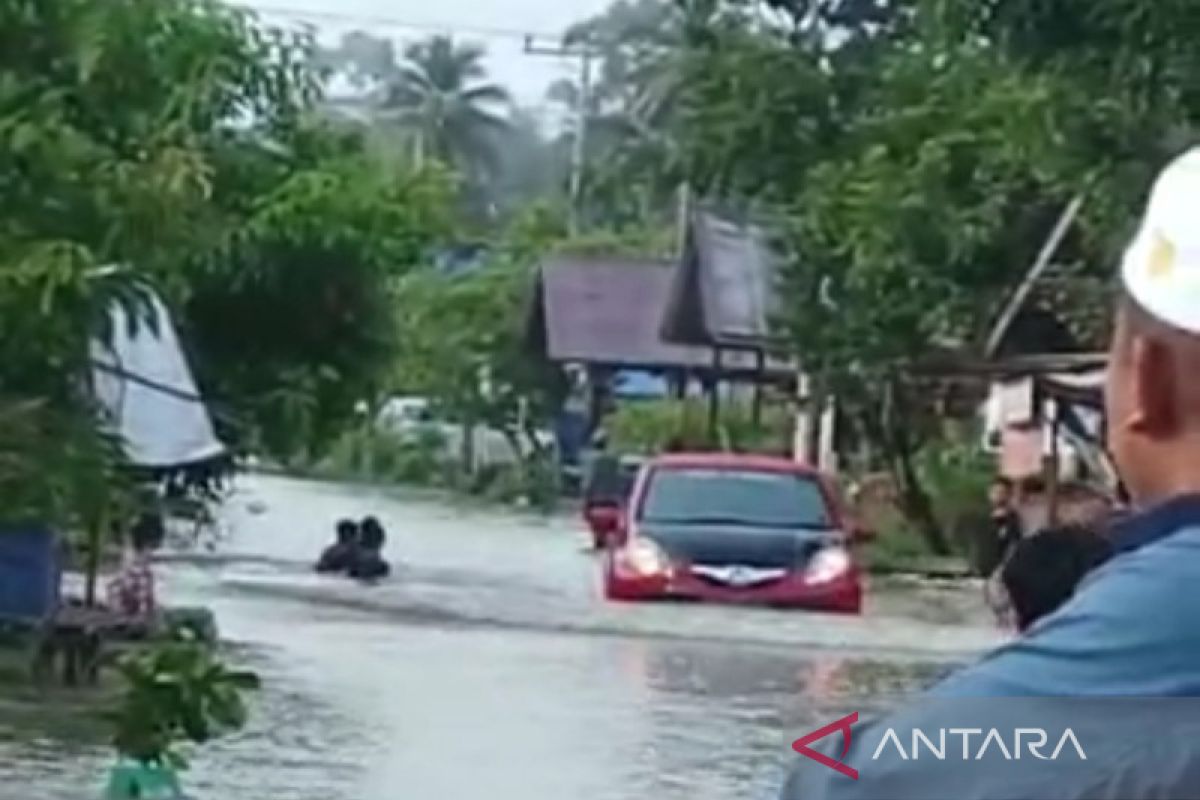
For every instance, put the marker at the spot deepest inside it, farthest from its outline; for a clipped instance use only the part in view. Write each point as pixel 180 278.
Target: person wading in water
pixel 340 556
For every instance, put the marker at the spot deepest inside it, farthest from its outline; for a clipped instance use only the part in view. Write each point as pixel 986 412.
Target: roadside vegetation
pixel 649 426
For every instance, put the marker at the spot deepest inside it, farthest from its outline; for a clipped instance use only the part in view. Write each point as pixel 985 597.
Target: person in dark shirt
pixel 340 556
pixel 1002 534
pixel 1005 521
pixel 369 563
pixel 1043 570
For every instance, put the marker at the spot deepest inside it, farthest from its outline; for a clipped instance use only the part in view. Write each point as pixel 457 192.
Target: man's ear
pixel 1155 412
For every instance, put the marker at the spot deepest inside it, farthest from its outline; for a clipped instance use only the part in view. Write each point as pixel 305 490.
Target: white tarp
pixel 143 383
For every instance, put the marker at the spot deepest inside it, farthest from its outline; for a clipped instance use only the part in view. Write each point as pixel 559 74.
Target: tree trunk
pixel 96 529
pixel 890 432
pixel 915 501
pixel 467 447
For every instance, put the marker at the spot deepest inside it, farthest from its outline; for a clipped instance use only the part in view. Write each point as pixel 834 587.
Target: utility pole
pixel 582 103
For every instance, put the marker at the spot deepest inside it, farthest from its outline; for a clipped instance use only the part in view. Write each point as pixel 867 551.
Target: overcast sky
pixel 497 24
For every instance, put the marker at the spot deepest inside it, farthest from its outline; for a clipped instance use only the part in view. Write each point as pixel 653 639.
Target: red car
pixel 719 526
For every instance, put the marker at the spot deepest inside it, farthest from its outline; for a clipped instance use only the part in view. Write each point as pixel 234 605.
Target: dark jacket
pixel 337 557
pixel 370 566
pixel 1007 524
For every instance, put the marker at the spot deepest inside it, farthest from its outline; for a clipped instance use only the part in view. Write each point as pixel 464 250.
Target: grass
pixel 900 548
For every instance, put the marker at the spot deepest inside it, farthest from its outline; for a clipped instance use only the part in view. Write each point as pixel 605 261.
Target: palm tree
pixel 441 98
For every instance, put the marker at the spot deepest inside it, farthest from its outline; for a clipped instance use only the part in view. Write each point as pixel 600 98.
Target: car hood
pixel 743 545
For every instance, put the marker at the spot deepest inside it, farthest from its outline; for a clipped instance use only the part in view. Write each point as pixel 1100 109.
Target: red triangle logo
pixel 801 746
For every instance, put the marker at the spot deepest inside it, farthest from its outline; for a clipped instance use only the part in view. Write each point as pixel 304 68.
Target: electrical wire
pixel 378 20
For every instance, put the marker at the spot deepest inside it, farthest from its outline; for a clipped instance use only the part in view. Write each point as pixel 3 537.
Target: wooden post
pixel 1052 477
pixel 1040 265
pixel 802 423
pixel 827 436
pixel 714 397
pixel 759 370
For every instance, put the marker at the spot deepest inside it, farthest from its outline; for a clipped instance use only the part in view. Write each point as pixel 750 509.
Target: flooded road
pixel 489 665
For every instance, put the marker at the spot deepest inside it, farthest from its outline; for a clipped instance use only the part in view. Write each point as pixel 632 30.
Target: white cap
pixel 1161 271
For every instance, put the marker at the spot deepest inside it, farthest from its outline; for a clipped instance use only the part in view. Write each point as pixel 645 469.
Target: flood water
pixel 490 666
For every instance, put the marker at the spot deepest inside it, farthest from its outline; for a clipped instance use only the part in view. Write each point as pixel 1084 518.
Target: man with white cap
pixel 1132 630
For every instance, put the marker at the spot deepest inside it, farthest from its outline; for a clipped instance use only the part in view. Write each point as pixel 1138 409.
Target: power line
pixel 376 20
pixel 583 102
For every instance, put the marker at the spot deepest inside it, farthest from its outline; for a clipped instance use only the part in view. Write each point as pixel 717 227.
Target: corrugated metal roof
pixel 724 288
pixel 608 310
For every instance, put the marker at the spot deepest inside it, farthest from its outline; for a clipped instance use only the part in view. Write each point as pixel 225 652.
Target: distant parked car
pixel 406 415
pixel 734 528
pixel 411 418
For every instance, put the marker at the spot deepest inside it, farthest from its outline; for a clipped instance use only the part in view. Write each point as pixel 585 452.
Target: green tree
pixel 440 96
pixel 292 322
pixel 632 163
pixel 111 122
pixel 530 167
pixel 913 156
pixel 462 339
pixel 169 143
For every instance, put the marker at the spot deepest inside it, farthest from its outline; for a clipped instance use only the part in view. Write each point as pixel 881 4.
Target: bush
pixel 424 460
pixel 647 426
pixel 532 482
pixel 177 692
pixel 956 472
pixel 381 456
pixel 897 547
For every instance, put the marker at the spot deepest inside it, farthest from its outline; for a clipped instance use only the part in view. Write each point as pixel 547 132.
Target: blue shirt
pixel 1132 628
pixel 1117 661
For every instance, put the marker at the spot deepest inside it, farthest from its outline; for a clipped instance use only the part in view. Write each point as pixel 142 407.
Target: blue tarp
pixel 30 573
pixel 638 383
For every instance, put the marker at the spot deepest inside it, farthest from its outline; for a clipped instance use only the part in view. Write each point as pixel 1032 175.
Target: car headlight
pixel 827 565
pixel 645 559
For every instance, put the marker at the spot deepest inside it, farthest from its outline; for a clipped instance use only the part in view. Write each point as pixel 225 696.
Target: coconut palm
pixel 440 97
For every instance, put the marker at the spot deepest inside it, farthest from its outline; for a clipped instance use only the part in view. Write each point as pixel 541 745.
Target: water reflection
pixel 718 722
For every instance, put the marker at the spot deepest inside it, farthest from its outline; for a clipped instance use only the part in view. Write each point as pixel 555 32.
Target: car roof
pixel 745 461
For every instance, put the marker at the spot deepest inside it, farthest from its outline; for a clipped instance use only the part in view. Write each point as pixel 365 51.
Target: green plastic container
pixel 136 780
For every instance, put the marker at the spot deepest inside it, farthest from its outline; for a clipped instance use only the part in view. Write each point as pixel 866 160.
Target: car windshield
pixel 752 497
